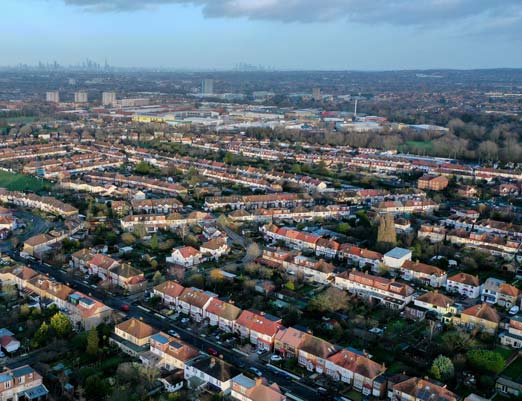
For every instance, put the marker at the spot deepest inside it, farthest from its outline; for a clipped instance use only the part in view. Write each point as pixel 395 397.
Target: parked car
pixel 255 371
pixel 173 333
pixel 124 308
pixel 276 358
pixel 514 310
pixel 185 320
pixel 212 351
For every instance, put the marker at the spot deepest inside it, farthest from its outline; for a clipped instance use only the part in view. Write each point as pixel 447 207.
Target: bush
pixel 484 360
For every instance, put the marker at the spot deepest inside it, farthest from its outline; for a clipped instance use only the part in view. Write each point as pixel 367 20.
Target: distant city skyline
pixel 283 35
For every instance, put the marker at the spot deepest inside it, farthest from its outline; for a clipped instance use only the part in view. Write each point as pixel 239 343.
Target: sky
pixel 283 34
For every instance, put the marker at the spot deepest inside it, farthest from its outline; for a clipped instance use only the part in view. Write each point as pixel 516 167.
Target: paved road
pixel 297 388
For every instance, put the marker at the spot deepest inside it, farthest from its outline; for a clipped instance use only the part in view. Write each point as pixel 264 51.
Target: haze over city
pixel 282 34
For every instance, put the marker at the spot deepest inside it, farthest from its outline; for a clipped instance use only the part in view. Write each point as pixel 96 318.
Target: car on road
pixel 2 355
pixel 260 351
pixel 276 358
pixel 124 308
pixel 185 320
pixel 255 371
pixel 212 351
pixel 173 333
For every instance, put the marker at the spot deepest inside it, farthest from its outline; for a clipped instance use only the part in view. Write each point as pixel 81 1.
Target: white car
pixel 514 310
pixel 255 371
pixel 276 358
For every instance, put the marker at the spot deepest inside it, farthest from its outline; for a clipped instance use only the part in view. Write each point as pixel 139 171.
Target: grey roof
pixel 35 392
pixel 244 381
pixel 24 370
pixel 397 253
pixel 215 368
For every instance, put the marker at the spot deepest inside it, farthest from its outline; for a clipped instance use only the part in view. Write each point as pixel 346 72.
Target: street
pixel 163 323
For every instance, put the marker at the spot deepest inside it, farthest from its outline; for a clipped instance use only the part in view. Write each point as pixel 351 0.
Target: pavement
pixel 292 386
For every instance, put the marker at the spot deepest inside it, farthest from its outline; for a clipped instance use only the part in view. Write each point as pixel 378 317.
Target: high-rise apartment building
pixel 207 87
pixel 52 96
pixel 108 98
pixel 80 97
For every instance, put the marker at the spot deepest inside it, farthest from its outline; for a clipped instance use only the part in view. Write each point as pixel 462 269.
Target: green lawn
pixel 20 120
pixel 420 144
pixel 506 353
pixel 20 182
pixel 514 370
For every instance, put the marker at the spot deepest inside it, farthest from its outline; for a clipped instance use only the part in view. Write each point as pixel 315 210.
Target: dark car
pixel 124 308
pixel 212 351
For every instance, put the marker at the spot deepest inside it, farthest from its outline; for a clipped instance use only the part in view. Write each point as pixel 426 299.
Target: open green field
pixel 20 182
pixel 20 120
pixel 419 145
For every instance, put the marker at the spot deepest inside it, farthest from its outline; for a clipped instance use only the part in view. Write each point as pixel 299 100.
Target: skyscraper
pixel 207 87
pixel 316 94
pixel 108 98
pixel 52 96
pixel 80 97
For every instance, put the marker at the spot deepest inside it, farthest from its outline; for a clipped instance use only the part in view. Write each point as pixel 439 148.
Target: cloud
pixel 393 12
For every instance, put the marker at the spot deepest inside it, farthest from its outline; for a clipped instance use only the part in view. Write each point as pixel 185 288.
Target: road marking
pixel 143 308
pixel 160 316
pixel 240 352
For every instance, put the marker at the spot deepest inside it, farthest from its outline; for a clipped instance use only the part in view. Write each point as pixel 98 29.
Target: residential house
pixel 416 389
pixel 360 257
pixel 396 257
pixel 186 256
pixel 424 273
pixel 287 342
pixel 173 352
pixel 222 314
pixel 314 352
pixel 169 292
pixel 464 284
pixel 432 182
pixel 214 248
pixel 357 370
pixel 245 389
pixel 194 301
pixel 437 303
pixel 22 383
pixel 86 312
pixel 261 328
pixel 210 372
pixel 133 336
pixel 482 317
pixel 388 292
pixel 513 335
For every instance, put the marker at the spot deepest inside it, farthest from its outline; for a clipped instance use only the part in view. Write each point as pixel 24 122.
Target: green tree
pixel 296 169
pixel 93 342
pixel 343 228
pixel 229 158
pixel 331 300
pixel 128 238
pixel 61 324
pixel 486 361
pixel 157 277
pixel 154 242
pixel 457 341
pixel 40 337
pixel 442 368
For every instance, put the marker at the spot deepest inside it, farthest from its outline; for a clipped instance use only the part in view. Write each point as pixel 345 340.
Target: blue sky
pixel 286 34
